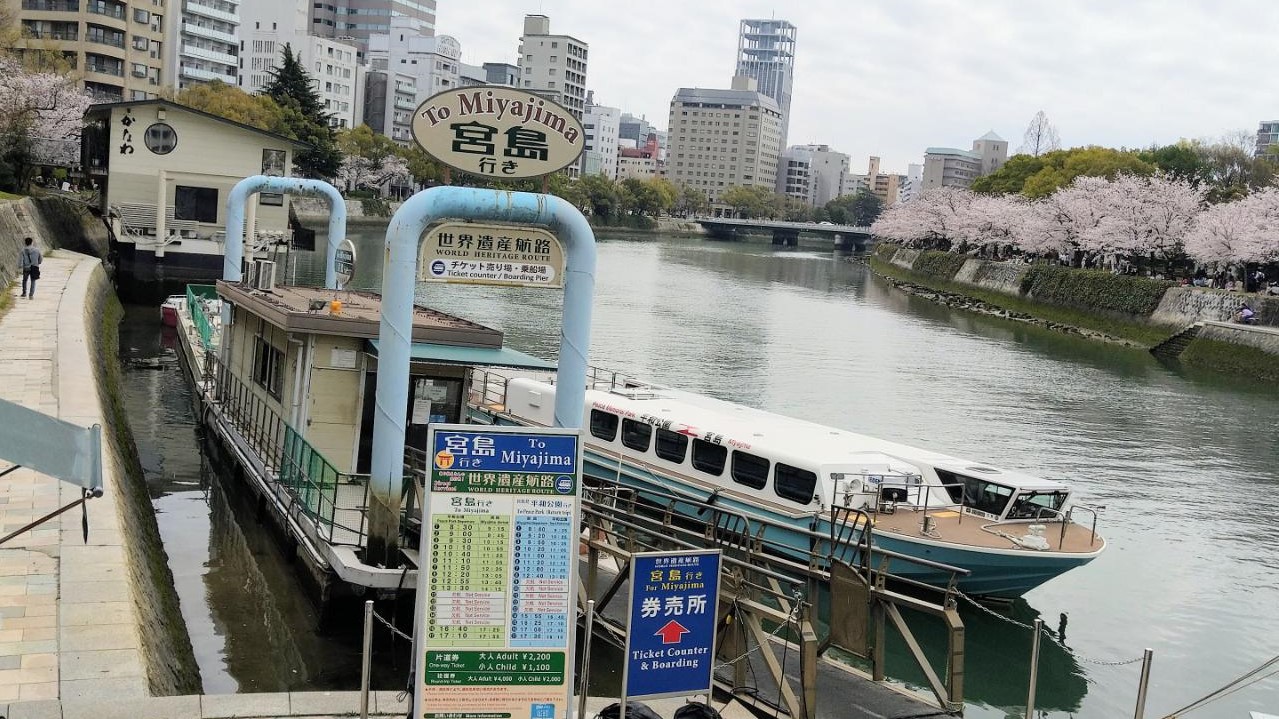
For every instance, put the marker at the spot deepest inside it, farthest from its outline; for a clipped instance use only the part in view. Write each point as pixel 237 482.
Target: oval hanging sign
pixel 344 263
pixel 498 132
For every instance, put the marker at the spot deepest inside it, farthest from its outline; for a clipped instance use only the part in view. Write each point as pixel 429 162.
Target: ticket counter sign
pixel 496 587
pixel 498 132
pixel 670 638
pixel 480 254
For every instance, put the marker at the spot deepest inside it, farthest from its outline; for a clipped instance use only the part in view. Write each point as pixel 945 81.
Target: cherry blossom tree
pixel 1146 216
pixel 41 116
pixel 359 171
pixel 1238 232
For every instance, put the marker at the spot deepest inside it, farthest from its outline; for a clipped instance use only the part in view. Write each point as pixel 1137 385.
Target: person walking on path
pixel 29 260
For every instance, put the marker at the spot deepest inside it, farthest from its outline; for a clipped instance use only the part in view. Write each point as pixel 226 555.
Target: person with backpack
pixel 29 260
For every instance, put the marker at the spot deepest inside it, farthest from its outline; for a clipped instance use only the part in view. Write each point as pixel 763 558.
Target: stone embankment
pixel 1162 310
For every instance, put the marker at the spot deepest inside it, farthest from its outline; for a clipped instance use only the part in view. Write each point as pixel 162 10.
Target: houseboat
pixel 1011 531
pixel 163 172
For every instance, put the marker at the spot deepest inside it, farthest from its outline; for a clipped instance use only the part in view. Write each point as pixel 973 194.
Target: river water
pixel 1184 462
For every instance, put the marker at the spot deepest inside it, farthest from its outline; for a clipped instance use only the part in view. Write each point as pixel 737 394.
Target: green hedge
pixel 1094 290
pixel 942 265
pixel 886 250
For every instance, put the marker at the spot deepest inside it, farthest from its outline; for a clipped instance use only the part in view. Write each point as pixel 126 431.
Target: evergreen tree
pixel 304 118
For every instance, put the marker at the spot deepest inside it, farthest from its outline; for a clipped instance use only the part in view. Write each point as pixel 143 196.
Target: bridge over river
pixel 852 237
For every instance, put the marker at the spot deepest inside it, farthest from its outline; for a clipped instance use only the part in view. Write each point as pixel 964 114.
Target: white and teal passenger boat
pixel 1011 531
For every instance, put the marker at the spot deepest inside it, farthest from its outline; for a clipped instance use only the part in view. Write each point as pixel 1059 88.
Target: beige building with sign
pixel 723 138
pixel 156 154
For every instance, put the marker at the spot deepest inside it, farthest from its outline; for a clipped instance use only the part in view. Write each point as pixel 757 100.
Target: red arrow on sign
pixel 672 632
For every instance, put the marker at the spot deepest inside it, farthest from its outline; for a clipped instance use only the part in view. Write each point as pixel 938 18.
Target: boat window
pixel 671 446
pixel 604 425
pixel 636 435
pixel 749 469
pixel 986 496
pixel 708 457
pixel 1037 505
pixel 794 483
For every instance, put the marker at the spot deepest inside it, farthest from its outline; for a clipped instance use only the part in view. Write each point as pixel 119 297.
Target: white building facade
pixel 333 64
pixel 814 174
pixel 203 42
pixel 601 125
pixel 553 66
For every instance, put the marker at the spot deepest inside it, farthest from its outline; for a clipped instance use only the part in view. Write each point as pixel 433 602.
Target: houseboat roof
pixel 99 108
pixel 470 356
pixel 308 310
pixel 780 436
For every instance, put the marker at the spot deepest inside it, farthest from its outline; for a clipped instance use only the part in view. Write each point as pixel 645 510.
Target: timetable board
pixel 496 599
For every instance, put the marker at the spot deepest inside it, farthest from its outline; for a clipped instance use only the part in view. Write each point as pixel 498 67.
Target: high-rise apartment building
pixel 266 27
pixel 204 42
pixel 361 19
pixel 913 184
pixel 1268 137
pixel 766 52
pixel 119 45
pixel 811 173
pixel 951 167
pixel 722 138
pixel 600 123
pixel 553 66
pixel 413 61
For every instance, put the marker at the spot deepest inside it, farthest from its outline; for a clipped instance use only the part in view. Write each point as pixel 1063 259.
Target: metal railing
pixel 334 501
pixel 200 312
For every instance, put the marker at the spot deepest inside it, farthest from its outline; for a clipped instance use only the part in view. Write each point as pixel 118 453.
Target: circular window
pixel 160 138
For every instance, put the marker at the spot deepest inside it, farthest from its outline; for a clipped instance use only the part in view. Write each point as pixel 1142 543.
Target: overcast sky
pixel 890 78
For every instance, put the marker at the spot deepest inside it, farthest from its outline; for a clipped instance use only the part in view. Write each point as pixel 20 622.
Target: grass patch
pixel 1146 335
pixel 6 299
pixel 9 196
pixel 1235 359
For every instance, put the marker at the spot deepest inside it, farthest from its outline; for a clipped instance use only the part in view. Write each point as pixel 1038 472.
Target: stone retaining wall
pixel 54 223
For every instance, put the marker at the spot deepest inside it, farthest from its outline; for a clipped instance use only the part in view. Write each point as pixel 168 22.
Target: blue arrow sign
pixel 670 646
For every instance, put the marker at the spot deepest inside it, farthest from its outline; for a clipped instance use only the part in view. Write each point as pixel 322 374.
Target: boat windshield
pixel 1038 505
pixel 979 494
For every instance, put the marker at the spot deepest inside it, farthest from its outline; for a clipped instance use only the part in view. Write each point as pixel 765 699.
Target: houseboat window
pixel 195 203
pixel 794 483
pixel 604 425
pixel 268 367
pixel 671 446
pixel 636 435
pixel 708 457
pixel 986 496
pixel 1036 505
pixel 749 469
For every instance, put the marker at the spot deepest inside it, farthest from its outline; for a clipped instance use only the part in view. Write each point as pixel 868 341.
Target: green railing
pixel 335 501
pixel 199 311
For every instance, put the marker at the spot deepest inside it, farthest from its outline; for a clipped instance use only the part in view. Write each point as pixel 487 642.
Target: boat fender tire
pixel 633 709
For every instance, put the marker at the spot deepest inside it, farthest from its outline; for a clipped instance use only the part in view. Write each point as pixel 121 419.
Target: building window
pixel 195 203
pixel 268 367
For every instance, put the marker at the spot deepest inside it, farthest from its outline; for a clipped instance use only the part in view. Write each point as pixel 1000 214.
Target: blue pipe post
pixel 395 336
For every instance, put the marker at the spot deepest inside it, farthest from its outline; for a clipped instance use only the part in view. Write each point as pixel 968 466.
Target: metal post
pixel 1145 682
pixel 1034 668
pixel 399 279
pixel 583 682
pixel 366 659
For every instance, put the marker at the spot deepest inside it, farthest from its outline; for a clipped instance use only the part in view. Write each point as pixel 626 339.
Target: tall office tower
pixel 766 52
pixel 553 66
pixel 358 19
pixel 204 42
pixel 118 45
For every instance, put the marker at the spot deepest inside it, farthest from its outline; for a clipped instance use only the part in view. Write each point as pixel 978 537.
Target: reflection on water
pixel 252 623
pixel 1184 463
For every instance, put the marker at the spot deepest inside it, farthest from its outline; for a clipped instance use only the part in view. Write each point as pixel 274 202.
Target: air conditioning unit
pixel 264 271
pixel 249 274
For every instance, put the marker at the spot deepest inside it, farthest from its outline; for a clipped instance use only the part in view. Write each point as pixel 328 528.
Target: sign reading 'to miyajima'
pixel 498 132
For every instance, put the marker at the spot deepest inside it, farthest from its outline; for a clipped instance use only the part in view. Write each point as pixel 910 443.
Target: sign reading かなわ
pixel 498 132
pixel 478 254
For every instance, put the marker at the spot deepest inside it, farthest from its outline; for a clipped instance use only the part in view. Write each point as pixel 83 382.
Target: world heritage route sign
pixel 490 254
pixel 670 638
pixel 498 132
pixel 496 593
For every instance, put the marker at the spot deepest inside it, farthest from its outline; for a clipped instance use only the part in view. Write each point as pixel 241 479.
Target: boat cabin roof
pixel 307 310
pixel 806 444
